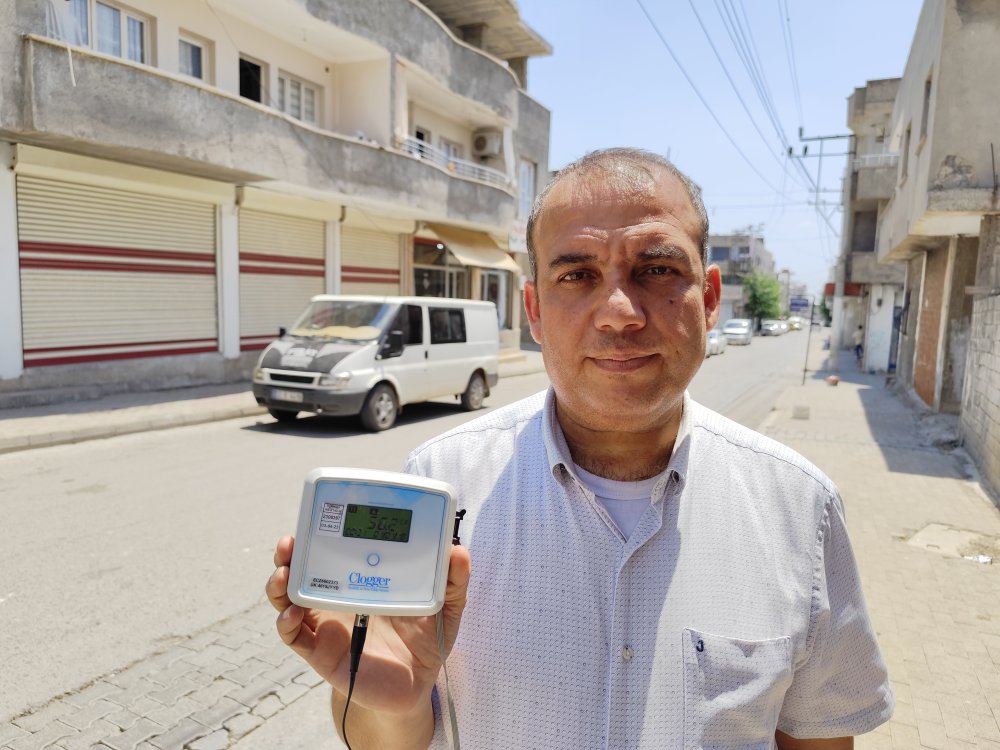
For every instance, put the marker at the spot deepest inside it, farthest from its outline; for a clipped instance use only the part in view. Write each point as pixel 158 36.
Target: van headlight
pixel 336 380
pixel 258 375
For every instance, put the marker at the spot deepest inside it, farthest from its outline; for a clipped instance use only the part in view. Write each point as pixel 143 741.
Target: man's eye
pixel 574 276
pixel 659 271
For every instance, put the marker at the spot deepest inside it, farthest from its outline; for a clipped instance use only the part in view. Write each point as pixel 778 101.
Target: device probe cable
pixel 358 636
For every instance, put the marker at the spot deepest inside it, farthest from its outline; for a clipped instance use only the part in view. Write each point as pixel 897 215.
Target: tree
pixel 763 297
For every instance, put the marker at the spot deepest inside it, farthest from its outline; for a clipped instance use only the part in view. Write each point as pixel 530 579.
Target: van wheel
pixel 380 409
pixel 283 415
pixel 474 394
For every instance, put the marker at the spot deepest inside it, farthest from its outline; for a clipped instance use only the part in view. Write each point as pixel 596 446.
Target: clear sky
pixel 611 81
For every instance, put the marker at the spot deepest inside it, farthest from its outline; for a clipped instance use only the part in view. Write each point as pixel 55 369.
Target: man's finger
pixel 283 551
pixel 277 589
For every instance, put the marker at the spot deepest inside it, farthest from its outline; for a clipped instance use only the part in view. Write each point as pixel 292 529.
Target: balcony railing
pixel 458 167
pixel 872 161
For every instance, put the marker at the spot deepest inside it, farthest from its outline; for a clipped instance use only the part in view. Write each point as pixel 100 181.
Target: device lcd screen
pixel 382 524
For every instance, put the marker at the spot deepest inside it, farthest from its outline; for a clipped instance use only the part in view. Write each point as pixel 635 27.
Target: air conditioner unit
pixel 487 143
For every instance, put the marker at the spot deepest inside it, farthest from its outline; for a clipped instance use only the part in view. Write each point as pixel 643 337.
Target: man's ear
pixel 532 309
pixel 713 296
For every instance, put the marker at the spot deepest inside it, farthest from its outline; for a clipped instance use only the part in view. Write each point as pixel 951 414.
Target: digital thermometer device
pixel 372 542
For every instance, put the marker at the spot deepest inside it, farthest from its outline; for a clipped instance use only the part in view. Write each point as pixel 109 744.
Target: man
pixel 859 340
pixel 645 573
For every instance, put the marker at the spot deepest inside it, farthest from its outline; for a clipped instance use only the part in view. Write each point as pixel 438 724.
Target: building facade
pixel 738 255
pixel 941 221
pixel 181 176
pixel 867 293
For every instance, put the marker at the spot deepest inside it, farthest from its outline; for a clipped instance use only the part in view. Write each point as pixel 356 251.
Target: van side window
pixel 416 318
pixel 447 325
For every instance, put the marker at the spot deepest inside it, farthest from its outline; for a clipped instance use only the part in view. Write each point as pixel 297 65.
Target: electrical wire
pixel 785 21
pixel 698 93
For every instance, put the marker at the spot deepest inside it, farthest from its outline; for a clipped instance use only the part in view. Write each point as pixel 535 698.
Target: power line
pixel 718 122
pixel 784 21
pixel 753 121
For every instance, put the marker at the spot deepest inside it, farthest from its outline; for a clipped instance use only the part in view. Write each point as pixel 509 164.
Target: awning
pixel 472 248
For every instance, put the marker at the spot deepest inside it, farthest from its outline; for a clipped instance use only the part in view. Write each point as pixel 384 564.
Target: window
pixel 493 288
pixel 194 57
pixel 415 315
pixel 447 325
pixel 904 158
pixel 717 254
pixel 297 98
pixel 745 251
pixel 927 108
pixel 525 188
pixel 252 77
pixel 451 149
pixel 121 33
pixel 74 22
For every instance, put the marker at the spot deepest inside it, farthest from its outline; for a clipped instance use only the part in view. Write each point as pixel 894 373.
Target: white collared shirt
pixel 732 609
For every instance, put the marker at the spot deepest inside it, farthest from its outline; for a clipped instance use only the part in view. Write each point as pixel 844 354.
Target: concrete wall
pixel 980 419
pixel 929 325
pixel 362 100
pixel 878 327
pixel 865 269
pixel 908 334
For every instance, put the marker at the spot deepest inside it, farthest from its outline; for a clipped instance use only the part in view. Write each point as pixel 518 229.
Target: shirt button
pixel 627 653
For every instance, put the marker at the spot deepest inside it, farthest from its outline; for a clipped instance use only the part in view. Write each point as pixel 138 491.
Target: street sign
pixel 798 304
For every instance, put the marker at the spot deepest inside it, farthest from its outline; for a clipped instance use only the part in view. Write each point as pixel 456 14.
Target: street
pixel 131 601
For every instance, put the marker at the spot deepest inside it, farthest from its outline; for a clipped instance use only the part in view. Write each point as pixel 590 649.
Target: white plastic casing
pixel 372 576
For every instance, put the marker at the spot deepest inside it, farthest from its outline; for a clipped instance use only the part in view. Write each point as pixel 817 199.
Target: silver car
pixel 738 331
pixel 716 343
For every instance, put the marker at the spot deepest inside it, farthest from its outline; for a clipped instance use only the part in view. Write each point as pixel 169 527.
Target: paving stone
pixel 134 693
pixel 216 741
pixel 213 717
pixel 251 695
pixel 171 674
pixel 130 738
pixel 92 693
pixel 199 641
pixel 169 716
pixel 248 672
pixel 243 654
pixel 90 737
pixel 277 655
pixel 83 718
pixel 242 724
pixel 210 694
pixel 268 707
pixel 291 693
pixel 932 735
pixel 309 678
pixel 205 656
pixel 985 726
pixel 183 732
pixel 236 638
pixel 287 672
pixel 171 694
pixel 43 738
pixel 10 732
pixel 123 719
pixel 44 716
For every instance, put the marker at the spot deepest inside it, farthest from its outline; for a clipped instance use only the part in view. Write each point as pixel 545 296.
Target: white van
pixel 370 355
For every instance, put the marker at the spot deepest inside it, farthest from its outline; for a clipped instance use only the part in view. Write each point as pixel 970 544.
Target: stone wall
pixel 925 362
pixel 980 420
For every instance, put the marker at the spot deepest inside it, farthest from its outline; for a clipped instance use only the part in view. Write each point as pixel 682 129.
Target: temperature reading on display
pixel 382 524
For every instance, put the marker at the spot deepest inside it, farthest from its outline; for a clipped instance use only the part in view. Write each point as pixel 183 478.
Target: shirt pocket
pixel 733 690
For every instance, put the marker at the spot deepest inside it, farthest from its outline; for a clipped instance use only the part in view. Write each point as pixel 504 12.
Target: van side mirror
pixel 393 345
pixel 281 332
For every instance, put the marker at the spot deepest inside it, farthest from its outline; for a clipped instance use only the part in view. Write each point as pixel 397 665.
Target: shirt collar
pixel 560 461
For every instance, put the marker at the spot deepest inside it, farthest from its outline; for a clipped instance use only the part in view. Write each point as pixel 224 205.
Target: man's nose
pixel 620 311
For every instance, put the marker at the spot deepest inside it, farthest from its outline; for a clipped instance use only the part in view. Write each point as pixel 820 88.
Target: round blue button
pixel 374 558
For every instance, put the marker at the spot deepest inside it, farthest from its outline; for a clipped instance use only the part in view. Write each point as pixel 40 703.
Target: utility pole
pixel 817 186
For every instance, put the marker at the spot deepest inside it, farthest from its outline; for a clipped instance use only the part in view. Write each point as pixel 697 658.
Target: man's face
pixel 621 302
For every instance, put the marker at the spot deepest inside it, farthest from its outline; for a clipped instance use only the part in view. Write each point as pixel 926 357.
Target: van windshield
pixel 346 320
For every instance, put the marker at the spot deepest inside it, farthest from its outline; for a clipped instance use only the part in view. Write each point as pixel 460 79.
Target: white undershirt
pixel 625 502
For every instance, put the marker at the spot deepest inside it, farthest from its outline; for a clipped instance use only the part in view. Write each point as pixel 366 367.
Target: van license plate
pixel 292 396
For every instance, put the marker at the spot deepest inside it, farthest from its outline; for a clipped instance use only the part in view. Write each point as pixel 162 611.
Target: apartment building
pixel 738 255
pixel 942 221
pixel 867 293
pixel 181 176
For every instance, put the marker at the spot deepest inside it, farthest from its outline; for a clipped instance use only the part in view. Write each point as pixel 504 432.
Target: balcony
pixel 135 114
pixel 458 167
pixel 876 176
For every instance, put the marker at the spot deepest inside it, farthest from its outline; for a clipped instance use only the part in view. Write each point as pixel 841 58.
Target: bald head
pixel 626 172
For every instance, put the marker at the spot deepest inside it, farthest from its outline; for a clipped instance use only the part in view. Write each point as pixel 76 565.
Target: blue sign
pixel 798 304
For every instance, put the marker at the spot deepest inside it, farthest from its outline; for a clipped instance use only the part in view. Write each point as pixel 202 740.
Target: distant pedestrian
pixel 859 337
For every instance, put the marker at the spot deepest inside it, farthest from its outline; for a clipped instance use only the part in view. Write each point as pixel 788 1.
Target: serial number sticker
pixel 325 583
pixel 331 518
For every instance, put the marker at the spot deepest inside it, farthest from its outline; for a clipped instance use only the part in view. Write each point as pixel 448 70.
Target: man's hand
pixel 401 659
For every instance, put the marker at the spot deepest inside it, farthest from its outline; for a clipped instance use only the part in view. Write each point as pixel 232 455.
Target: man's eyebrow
pixel 664 252
pixel 572 259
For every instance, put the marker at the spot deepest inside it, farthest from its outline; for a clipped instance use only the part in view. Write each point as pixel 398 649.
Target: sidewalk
pixel 74 422
pixel 914 509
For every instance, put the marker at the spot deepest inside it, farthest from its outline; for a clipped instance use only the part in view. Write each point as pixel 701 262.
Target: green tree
pixel 763 297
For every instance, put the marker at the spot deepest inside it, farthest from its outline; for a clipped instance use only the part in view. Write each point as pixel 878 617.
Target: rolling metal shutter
pixel 369 262
pixel 112 274
pixel 281 267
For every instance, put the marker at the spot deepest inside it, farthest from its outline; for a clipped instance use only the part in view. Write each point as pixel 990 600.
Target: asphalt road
pixel 115 549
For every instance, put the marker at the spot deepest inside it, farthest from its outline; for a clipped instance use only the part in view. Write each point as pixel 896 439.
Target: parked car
pixel 716 342
pixel 794 323
pixel 738 331
pixel 772 327
pixel 370 355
